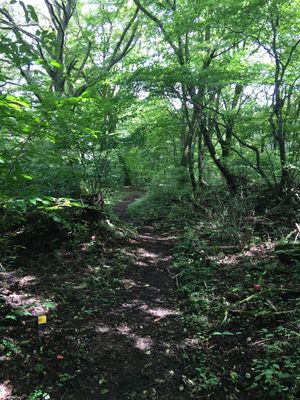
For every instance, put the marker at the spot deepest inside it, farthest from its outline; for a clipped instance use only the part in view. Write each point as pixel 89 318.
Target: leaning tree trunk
pixel 230 179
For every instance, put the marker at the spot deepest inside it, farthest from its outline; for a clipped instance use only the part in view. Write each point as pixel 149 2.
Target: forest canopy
pixel 96 94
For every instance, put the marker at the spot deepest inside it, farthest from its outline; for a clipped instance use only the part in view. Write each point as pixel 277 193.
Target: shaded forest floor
pixel 149 310
pixel 114 328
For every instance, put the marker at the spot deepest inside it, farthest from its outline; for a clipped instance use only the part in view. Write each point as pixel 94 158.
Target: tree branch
pixel 160 25
pixel 115 58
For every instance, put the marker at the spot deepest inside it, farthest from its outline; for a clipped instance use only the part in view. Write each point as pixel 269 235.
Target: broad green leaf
pixel 55 64
pixel 17 101
pixel 32 13
pixel 27 177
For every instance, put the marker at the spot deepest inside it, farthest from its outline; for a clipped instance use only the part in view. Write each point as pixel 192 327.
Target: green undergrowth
pixel 163 201
pixel 239 300
pixel 164 210
pixel 244 308
pixel 39 224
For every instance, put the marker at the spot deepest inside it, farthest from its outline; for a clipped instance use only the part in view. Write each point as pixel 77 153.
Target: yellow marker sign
pixel 42 319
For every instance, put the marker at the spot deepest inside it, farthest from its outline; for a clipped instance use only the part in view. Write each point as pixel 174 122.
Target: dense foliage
pixel 97 94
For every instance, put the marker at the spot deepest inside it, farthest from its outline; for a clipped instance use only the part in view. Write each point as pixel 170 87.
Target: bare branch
pixel 115 58
pixel 53 16
pixel 10 22
pixel 84 61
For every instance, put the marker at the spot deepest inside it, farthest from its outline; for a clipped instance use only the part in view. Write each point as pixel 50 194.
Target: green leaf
pixel 10 317
pixel 32 13
pixel 23 313
pixel 55 64
pixel 34 200
pixel 17 101
pixel 27 177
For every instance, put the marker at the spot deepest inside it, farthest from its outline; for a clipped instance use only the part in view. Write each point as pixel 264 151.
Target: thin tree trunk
pixel 187 159
pixel 201 181
pixel 230 179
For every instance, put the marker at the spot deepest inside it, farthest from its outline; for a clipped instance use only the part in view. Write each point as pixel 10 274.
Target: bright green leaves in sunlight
pixel 9 101
pixel 143 88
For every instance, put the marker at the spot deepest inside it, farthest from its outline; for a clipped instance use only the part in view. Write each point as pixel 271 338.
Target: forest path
pixel 141 341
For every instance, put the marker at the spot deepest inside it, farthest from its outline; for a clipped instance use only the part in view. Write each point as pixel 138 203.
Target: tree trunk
pixel 187 158
pixel 230 179
pixel 201 181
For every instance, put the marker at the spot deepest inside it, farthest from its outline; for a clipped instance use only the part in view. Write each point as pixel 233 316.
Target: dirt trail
pixel 141 343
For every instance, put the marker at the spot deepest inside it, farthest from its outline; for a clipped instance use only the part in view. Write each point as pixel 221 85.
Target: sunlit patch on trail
pixel 29 304
pixel 103 328
pixel 128 283
pixel 12 278
pixel 141 263
pixel 147 254
pixel 137 304
pixel 124 329
pixel 156 239
pixel 262 251
pixel 146 258
pixel 162 312
pixel 133 241
pixel 140 342
pixel 5 391
pixel 27 281
pixel 158 312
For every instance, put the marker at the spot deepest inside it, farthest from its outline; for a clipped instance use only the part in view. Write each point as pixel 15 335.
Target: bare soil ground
pixel 142 336
pixel 128 345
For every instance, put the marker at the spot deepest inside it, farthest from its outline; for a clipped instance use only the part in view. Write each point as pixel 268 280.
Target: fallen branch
pixel 253 296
